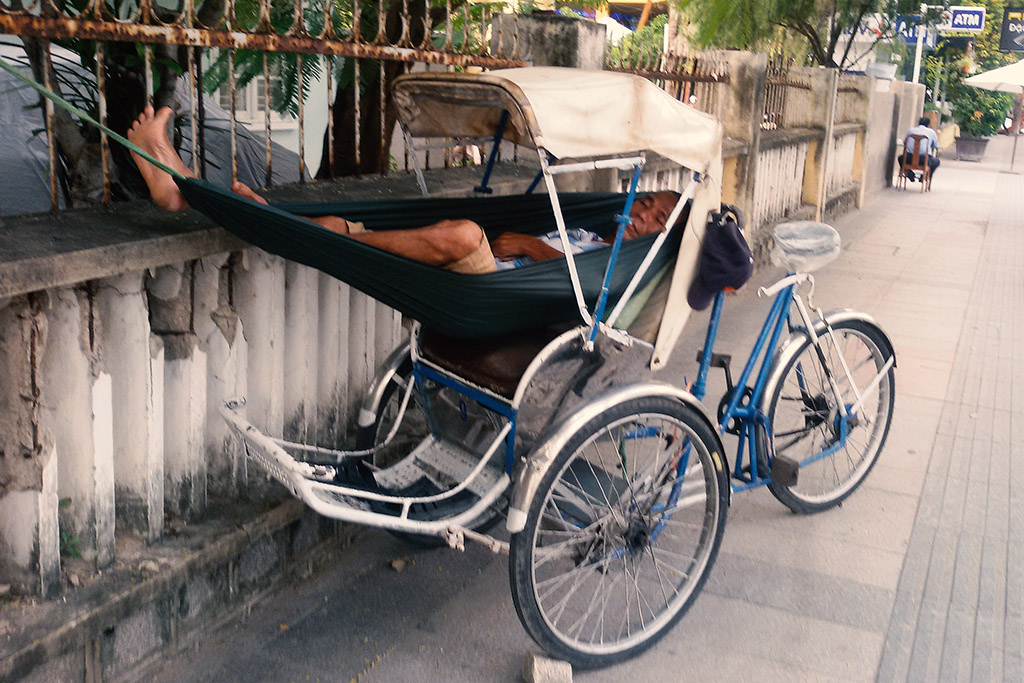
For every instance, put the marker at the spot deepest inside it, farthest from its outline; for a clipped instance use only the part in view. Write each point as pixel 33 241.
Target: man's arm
pixel 510 245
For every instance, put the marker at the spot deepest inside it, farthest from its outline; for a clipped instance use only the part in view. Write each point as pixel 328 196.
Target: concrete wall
pixel 880 141
pixel 545 39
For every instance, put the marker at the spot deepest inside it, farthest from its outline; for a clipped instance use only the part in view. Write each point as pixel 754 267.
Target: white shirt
pixel 580 240
pixel 921 130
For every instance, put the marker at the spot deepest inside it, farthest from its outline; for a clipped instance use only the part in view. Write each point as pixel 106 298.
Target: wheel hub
pixel 637 536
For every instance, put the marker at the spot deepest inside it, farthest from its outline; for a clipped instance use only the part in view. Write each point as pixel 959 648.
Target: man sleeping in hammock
pixel 458 245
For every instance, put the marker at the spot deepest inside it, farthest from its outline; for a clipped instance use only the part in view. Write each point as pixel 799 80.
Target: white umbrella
pixel 1009 78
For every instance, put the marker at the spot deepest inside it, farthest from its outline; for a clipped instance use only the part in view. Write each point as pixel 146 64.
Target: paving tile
pixel 958 647
pixel 821 554
pixel 815 646
pixel 801 591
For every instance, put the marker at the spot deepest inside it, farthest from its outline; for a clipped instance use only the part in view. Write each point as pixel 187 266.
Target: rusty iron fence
pixel 690 78
pixel 453 33
pixel 780 82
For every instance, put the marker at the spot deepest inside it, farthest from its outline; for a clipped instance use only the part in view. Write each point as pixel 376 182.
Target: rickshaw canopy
pixel 571 113
pixel 576 113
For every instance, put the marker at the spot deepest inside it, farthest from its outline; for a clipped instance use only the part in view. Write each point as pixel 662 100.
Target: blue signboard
pixel 906 27
pixel 966 19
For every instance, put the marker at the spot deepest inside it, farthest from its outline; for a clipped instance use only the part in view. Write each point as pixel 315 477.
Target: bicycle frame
pixel 745 399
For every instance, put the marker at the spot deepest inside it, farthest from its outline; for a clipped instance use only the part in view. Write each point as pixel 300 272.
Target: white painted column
pixel 260 301
pixel 388 330
pixel 184 426
pixel 362 343
pixel 332 361
pixel 171 293
pixel 77 410
pixel 29 530
pixel 219 331
pixel 30 534
pixel 300 352
pixel 134 359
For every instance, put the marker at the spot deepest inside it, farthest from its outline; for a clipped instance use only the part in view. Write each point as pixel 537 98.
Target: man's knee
pixel 461 237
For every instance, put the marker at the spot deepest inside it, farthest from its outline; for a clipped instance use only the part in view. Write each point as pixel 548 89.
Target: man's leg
pixel 458 245
pixel 443 244
pixel 908 174
pixel 933 163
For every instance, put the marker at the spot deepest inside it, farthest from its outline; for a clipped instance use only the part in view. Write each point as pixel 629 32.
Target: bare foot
pixel 247 192
pixel 149 132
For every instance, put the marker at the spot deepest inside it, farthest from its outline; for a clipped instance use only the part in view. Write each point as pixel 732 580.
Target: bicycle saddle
pixel 804 246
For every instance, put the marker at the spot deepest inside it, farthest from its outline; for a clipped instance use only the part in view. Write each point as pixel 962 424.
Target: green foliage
pixel 978 112
pixel 824 25
pixel 644 46
pixel 981 112
pixel 68 542
pixel 69 545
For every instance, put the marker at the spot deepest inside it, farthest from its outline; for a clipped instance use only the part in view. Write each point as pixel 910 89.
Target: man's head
pixel 650 212
pixel 924 121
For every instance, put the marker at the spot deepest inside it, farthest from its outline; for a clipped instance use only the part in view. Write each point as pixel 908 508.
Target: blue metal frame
pixel 623 220
pixel 535 183
pixel 421 372
pixel 482 188
pixel 747 416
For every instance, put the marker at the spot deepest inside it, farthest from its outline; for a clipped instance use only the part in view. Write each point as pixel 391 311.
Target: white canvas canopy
pixel 568 112
pixel 1008 78
pixel 575 113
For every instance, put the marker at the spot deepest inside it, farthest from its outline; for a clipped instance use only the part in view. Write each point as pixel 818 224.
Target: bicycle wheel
pixel 410 434
pixel 622 532
pixel 804 417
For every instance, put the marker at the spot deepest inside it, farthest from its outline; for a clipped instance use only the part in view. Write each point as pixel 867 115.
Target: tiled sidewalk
pixel 958 607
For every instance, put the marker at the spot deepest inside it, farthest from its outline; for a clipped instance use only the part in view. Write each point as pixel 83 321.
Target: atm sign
pixel 964 20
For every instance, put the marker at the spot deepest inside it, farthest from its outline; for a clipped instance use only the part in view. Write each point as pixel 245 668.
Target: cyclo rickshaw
pixel 614 483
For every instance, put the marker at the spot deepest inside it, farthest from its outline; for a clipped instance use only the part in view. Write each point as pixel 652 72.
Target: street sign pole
pixel 920 44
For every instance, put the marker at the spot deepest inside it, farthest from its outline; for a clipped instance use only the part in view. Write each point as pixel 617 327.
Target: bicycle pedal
pixel 784 470
pixel 718 360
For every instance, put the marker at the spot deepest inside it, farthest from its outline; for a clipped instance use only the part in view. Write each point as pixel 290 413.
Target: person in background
pixel 923 127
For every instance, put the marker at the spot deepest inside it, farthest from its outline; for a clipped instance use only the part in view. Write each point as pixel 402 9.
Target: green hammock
pixel 466 306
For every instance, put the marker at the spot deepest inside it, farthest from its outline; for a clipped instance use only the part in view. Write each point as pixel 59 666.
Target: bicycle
pixel 810 427
pixel 806 402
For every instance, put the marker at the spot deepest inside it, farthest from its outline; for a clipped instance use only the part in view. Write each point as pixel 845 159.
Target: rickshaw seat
pixel 496 364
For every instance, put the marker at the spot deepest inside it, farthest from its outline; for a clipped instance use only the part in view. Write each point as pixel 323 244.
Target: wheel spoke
pixel 619 537
pixel 804 415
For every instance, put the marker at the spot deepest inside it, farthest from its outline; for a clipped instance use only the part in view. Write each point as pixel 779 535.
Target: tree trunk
pixel 374 143
pixel 79 168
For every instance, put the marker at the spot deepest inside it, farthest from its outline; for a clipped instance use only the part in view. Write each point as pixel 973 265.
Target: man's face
pixel 650 213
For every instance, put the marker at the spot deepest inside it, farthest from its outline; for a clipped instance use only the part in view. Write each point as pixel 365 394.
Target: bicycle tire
pixel 802 414
pixel 615 530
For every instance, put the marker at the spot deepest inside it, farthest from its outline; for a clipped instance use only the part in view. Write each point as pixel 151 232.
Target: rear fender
pixel 532 470
pixel 792 346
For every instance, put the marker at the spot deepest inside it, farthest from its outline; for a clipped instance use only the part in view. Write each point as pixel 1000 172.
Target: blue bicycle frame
pixel 746 414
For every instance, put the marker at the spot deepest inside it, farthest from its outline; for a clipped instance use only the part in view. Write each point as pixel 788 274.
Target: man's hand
pixel 510 245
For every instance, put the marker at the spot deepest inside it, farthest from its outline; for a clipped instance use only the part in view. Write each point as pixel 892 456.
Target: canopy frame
pixel 561 122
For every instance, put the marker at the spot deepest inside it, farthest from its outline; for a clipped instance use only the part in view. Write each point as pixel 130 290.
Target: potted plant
pixel 979 114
